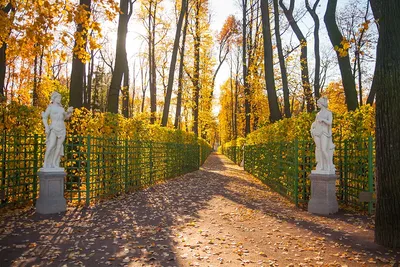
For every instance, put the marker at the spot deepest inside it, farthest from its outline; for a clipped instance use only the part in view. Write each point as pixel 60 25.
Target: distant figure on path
pixel 321 131
pixel 55 132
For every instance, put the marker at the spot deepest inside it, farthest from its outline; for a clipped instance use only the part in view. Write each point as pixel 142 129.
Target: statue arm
pixel 69 112
pixel 328 121
pixel 45 116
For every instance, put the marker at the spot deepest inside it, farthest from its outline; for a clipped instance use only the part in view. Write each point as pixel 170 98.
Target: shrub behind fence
pixel 285 167
pixel 96 167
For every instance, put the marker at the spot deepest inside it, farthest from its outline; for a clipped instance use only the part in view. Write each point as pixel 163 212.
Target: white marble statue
pixel 55 132
pixel 321 131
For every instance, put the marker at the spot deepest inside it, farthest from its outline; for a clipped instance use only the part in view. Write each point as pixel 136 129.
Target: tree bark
pixel 303 54
pixel 144 86
pixel 285 84
pixel 236 106
pixel 386 83
pixel 125 92
pixel 78 66
pixel 35 96
pixel 247 108
pixel 90 81
pixel 164 120
pixel 120 56
pixel 344 62
pixel 180 78
pixel 317 71
pixel 152 61
pixel 3 58
pixel 275 113
pixel 196 74
pixel 376 10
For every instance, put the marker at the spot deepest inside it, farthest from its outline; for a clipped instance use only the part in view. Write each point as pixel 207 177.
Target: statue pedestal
pixel 323 194
pixel 51 194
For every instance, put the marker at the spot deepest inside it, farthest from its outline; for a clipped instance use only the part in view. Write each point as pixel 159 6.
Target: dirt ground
pixel 217 216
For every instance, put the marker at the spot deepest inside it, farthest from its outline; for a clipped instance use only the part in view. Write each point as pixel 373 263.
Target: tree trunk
pixel 78 66
pixel 303 54
pixel 3 65
pixel 236 107
pixel 247 108
pixel 84 86
pixel 144 86
pixel 180 78
pixel 285 85
pixel 90 81
pixel 315 17
pixel 344 62
pixel 196 74
pixel 35 95
pixel 371 95
pixel 125 92
pixel 3 58
pixel 152 62
pixel 376 10
pixel 120 56
pixel 232 98
pixel 173 63
pixel 386 83
pixel 275 113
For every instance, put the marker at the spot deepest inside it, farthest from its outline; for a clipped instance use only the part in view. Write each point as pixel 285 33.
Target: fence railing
pixel 285 167
pixel 96 167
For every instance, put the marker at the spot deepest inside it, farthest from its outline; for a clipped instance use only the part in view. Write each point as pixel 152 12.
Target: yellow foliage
pixel 343 48
pixel 337 100
pixel 22 119
pixel 346 125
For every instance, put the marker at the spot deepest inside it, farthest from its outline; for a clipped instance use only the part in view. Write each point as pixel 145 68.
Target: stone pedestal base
pixel 323 194
pixel 51 194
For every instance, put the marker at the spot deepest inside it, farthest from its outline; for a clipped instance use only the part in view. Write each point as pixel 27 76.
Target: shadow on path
pixel 142 228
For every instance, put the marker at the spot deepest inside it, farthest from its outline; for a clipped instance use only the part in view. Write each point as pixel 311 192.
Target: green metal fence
pixel 234 153
pixel 285 167
pixel 96 167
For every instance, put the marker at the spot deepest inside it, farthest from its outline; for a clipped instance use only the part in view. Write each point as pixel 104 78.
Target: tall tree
pixel 225 38
pixel 303 53
pixel 152 9
pixel 386 83
pixel 285 85
pixel 275 113
pixel 121 62
pixel 247 106
pixel 180 78
pixel 196 74
pixel 338 42
pixel 125 91
pixel 3 63
pixel 314 15
pixel 78 61
pixel 184 6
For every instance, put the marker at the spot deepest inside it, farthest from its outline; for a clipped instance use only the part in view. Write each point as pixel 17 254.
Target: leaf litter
pixel 217 216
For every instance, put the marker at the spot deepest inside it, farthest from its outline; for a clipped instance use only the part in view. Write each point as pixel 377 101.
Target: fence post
pixel 88 170
pixel 198 154
pixel 35 167
pixel 244 157
pixel 296 172
pixel 346 171
pixel 370 171
pixel 126 165
pixel 151 161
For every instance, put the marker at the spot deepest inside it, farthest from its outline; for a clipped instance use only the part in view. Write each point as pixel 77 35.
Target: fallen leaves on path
pixel 217 216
